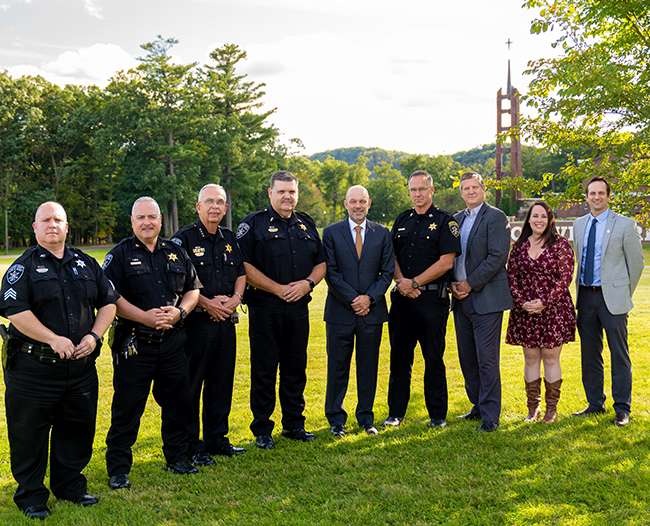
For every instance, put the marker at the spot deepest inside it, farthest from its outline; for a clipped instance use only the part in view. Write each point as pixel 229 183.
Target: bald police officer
pixel 159 287
pixel 284 260
pixel 50 295
pixel 211 337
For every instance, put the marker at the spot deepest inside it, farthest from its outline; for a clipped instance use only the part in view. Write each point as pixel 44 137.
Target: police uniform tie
pixel 359 241
pixel 591 249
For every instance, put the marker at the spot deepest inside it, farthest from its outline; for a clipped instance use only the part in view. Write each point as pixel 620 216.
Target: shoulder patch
pixel 242 230
pixel 176 240
pixel 453 226
pixel 14 273
pixel 107 261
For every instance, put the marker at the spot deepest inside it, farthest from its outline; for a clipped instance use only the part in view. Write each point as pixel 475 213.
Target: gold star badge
pixel 228 248
pixel 303 226
pixel 173 257
pixel 433 226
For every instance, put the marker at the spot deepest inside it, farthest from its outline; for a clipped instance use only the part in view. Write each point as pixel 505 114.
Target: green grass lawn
pixel 579 471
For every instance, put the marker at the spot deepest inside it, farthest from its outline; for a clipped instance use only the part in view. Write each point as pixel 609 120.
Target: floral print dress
pixel 546 278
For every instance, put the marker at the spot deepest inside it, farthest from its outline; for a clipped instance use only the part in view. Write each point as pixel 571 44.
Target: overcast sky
pixel 418 76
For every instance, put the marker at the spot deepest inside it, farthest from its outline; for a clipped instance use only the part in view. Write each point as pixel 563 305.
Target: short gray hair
pixel 211 185
pixel 283 175
pixel 144 199
pixel 423 174
pixel 472 175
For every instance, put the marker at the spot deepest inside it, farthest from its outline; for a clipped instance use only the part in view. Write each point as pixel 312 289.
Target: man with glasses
pixel 426 241
pixel 211 338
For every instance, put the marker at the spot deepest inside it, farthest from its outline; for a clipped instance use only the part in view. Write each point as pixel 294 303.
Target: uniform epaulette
pixel 124 240
pixel 26 254
pixel 303 214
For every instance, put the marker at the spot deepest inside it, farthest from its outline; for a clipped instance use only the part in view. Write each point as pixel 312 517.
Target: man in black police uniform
pixel 50 295
pixel 426 241
pixel 211 338
pixel 159 287
pixel 284 260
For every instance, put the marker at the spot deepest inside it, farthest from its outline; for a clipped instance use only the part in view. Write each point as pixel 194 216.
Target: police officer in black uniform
pixel 426 241
pixel 211 338
pixel 159 287
pixel 284 260
pixel 50 295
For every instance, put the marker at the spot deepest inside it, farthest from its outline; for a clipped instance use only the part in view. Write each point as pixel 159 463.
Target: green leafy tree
pixel 442 168
pixel 389 194
pixel 332 181
pixel 595 95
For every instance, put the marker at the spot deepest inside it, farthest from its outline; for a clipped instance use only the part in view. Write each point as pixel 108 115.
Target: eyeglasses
pixel 210 202
pixel 421 190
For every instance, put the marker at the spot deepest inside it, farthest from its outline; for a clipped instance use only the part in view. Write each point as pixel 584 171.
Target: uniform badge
pixel 14 273
pixel 242 230
pixel 172 257
pixel 41 269
pixel 107 261
pixel 433 226
pixel 303 227
pixel 228 249
pixel 198 251
pixel 10 293
pixel 453 226
pixel 177 241
pixel 273 229
pixel 80 263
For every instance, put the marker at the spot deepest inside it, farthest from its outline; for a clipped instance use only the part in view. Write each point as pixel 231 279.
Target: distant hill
pixel 376 156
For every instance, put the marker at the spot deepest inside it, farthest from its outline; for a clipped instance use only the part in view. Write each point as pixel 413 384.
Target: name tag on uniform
pixel 136 262
pixel 273 229
pixel 400 229
pixel 42 270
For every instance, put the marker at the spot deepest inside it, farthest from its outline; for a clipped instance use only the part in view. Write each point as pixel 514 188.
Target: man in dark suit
pixel 481 294
pixel 360 266
pixel 610 263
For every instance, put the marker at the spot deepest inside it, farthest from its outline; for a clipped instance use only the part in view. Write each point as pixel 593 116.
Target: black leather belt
pixel 44 353
pixel 432 286
pixel 591 288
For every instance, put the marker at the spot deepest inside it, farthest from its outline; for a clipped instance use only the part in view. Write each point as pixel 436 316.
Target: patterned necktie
pixel 591 249
pixel 359 242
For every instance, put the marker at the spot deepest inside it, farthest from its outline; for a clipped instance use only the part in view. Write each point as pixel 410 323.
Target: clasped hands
pixel 534 306
pixel 66 349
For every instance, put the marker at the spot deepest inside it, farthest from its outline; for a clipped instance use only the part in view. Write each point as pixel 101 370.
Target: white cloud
pixel 94 8
pixel 4 8
pixel 92 65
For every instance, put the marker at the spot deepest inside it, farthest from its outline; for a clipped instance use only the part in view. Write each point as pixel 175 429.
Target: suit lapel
pixel 370 235
pixel 609 228
pixel 479 218
pixel 348 236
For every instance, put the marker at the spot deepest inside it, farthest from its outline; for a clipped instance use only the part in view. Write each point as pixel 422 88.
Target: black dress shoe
pixel 228 451
pixel 470 416
pixel 621 419
pixel 265 442
pixel 298 434
pixel 370 429
pixel 37 511
pixel 338 430
pixel 438 422
pixel 589 411
pixel 202 459
pixel 182 467
pixel 84 500
pixel 119 481
pixel 393 421
pixel 487 427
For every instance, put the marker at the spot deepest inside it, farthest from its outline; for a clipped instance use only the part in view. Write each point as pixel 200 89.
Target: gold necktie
pixel 358 242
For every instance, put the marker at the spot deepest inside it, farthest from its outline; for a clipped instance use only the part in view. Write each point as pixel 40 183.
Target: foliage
pixel 389 194
pixel 374 156
pixel 595 96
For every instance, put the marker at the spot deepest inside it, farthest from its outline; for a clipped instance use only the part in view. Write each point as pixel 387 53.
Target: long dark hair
pixel 549 236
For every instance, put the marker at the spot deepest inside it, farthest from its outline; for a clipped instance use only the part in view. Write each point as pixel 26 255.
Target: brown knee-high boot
pixel 552 398
pixel 533 390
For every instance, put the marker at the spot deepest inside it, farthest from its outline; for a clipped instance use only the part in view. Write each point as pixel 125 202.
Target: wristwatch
pixel 415 284
pixel 183 313
pixel 311 284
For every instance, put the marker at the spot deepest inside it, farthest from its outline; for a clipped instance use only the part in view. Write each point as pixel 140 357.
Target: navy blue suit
pixel 349 276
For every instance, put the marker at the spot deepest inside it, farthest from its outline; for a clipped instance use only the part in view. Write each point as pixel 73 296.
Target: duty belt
pixel 44 353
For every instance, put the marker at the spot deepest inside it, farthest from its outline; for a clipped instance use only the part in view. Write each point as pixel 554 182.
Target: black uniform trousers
pixel 593 317
pixel 164 364
pixel 479 339
pixel 340 346
pixel 40 397
pixel 423 320
pixel 279 333
pixel 211 351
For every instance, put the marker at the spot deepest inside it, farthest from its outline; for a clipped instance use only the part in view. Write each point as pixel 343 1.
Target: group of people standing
pixel 176 304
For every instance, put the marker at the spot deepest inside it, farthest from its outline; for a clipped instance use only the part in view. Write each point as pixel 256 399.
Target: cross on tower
pixel 509 42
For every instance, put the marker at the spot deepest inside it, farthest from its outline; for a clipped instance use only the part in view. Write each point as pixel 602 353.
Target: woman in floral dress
pixel 540 270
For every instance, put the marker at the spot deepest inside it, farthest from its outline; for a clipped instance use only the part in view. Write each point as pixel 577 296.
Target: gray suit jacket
pixel 621 261
pixel 348 276
pixel 485 260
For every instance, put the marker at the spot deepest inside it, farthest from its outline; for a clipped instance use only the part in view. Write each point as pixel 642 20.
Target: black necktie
pixel 591 249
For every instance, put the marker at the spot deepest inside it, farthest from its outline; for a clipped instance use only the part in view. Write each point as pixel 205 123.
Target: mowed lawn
pixel 579 471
